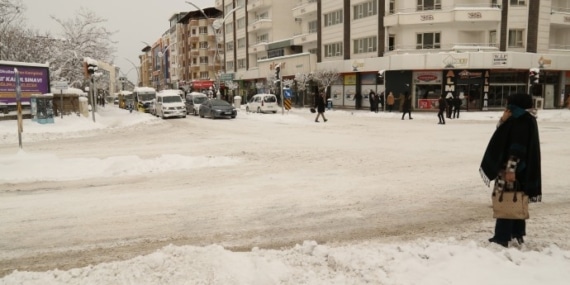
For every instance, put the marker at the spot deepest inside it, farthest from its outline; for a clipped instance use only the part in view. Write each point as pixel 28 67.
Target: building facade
pixel 478 50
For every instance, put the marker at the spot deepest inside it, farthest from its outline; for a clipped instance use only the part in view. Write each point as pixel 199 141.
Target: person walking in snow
pixel 407 106
pixel 456 107
pixel 390 101
pixel 512 158
pixel 442 107
pixel 320 106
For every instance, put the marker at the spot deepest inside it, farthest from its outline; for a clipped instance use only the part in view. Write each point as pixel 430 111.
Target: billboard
pixel 34 79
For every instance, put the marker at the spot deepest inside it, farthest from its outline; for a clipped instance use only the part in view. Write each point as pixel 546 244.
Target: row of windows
pixel 423 41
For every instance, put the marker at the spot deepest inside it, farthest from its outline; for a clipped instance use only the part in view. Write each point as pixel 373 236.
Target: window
pixel 333 18
pixel 241 63
pixel 517 2
pixel 241 23
pixel 493 38
pixel 332 50
pixel 262 16
pixel 428 41
pixel 515 38
pixel 365 45
pixel 429 5
pixel 203 30
pixel 392 8
pixel 263 38
pixel 365 10
pixel 230 46
pixel 228 8
pixel 229 27
pixel 313 27
pixel 203 45
pixel 229 65
pixel 203 60
pixel 204 75
pixel 275 53
pixel 241 43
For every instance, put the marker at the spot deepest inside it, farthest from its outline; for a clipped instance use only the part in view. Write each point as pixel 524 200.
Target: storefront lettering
pixel 426 17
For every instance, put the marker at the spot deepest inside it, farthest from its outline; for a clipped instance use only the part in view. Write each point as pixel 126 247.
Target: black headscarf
pixel 517 136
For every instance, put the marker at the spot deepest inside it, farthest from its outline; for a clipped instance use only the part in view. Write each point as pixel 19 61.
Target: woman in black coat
pixel 442 107
pixel 512 159
pixel 320 106
pixel 407 106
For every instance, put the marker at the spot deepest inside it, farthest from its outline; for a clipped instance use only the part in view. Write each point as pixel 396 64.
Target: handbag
pixel 510 204
pixel 313 110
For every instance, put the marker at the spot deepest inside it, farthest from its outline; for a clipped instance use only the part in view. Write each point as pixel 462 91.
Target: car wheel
pixel 233 117
pixel 274 112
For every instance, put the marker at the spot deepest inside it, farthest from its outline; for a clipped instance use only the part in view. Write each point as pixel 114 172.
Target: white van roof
pixel 170 92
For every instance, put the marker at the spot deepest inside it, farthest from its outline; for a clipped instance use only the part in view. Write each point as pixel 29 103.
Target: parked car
pixel 193 102
pixel 169 104
pixel 216 108
pixel 262 103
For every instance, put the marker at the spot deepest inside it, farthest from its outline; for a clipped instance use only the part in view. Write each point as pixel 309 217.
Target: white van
pixel 193 102
pixel 169 104
pixel 262 103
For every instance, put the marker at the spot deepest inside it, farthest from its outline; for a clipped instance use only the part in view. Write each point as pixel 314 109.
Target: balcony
pixel 477 13
pixel 305 9
pixel 304 39
pixel 255 5
pixel 260 25
pixel 560 17
pixel 259 47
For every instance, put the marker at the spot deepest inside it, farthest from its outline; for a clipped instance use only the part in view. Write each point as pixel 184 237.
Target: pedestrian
pixel 380 102
pixel 456 106
pixel 449 99
pixel 320 106
pixel 513 154
pixel 390 101
pixel 407 106
pixel 371 95
pixel 442 107
pixel 358 99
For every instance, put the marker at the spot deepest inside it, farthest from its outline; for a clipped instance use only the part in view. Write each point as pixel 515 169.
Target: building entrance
pixel 471 96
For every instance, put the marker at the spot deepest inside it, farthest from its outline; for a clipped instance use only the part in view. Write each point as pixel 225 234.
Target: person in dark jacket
pixel 513 154
pixel 407 106
pixel 456 106
pixel 358 99
pixel 442 107
pixel 380 102
pixel 371 100
pixel 320 106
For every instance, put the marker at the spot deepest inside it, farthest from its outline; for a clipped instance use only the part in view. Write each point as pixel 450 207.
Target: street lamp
pixel 216 27
pixel 137 69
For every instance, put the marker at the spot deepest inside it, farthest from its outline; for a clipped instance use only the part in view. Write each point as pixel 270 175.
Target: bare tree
pixel 326 77
pixel 11 12
pixel 302 79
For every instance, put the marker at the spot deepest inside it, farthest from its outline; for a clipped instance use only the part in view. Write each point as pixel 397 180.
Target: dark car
pixel 216 108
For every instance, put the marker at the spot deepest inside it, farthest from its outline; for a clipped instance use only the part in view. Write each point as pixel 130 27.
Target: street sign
pixel 60 85
pixel 226 76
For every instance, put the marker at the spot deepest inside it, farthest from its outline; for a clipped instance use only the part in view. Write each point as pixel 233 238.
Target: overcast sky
pixel 134 20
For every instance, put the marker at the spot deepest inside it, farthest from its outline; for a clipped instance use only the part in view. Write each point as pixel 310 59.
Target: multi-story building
pixel 145 68
pixel 478 50
pixel 199 61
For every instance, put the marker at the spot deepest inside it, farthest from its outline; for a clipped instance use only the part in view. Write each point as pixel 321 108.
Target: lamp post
pixel 137 69
pixel 216 27
pixel 164 63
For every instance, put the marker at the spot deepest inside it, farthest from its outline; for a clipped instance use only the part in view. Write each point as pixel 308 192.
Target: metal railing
pixel 444 8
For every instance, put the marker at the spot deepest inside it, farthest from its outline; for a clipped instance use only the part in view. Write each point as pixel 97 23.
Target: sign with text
pixel 33 80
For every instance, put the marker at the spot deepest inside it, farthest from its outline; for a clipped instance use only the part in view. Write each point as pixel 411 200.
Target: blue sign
pixel 287 93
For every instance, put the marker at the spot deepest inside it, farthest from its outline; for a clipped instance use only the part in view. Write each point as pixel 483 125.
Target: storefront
pixel 428 88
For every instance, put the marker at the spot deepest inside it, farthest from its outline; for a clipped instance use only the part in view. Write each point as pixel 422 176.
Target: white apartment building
pixel 479 50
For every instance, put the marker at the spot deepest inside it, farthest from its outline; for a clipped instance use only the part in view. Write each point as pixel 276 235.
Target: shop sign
pixel 350 79
pixel 500 59
pixel 544 62
pixel 427 78
pixel 451 61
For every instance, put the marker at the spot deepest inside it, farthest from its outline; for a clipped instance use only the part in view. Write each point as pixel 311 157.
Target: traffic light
pixel 534 75
pixel 89 67
pixel 92 68
pixel 277 71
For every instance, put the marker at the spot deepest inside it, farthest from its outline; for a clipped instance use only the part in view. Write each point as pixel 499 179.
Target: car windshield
pixel 171 99
pixel 146 96
pixel 218 103
pixel 200 100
